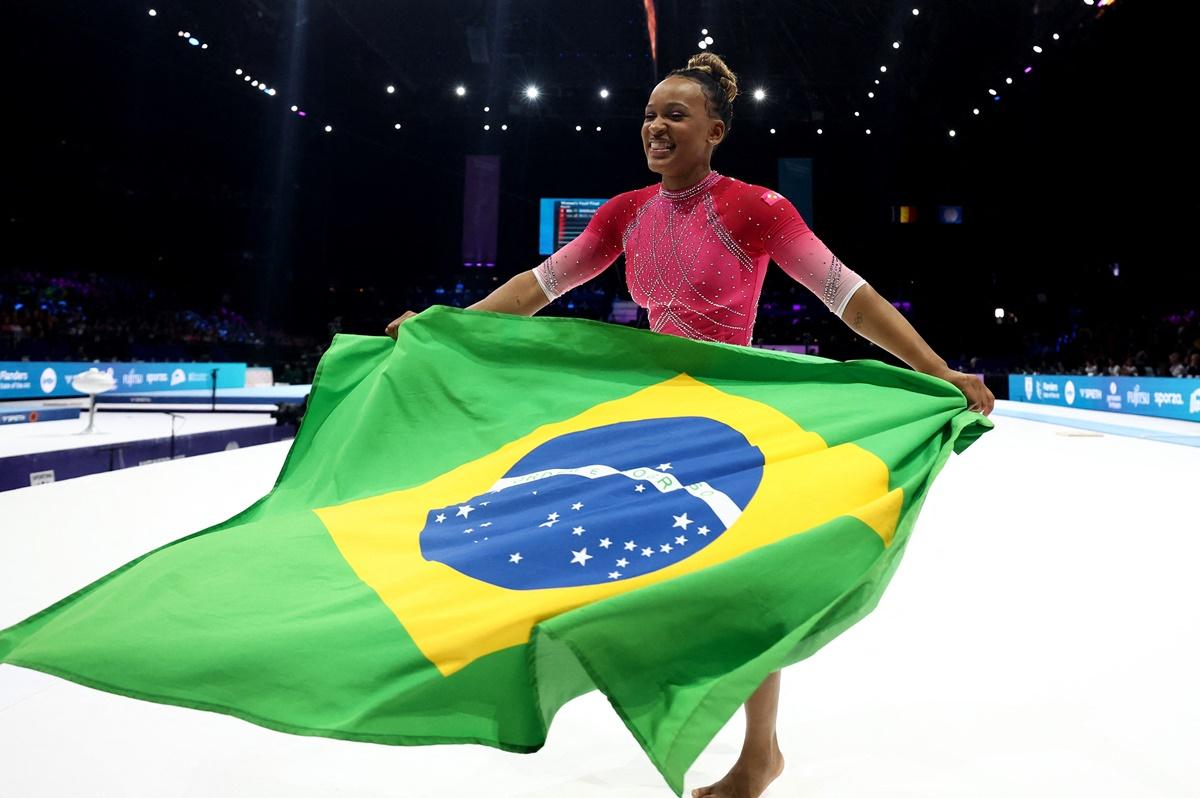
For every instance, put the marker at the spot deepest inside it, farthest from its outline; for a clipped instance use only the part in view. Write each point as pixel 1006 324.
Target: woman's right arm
pixel 587 255
pixel 521 296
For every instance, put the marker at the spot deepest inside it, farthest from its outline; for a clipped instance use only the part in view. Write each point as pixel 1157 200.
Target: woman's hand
pixel 394 326
pixel 979 398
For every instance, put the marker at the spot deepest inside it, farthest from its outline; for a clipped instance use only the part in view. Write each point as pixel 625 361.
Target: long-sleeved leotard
pixel 696 258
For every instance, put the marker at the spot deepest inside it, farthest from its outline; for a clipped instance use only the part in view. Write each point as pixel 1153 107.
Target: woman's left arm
pixel 873 317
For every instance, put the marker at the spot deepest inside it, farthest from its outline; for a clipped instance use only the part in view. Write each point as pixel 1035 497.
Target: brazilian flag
pixel 494 515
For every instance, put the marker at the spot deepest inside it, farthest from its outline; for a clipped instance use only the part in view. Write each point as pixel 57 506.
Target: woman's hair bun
pixel 715 66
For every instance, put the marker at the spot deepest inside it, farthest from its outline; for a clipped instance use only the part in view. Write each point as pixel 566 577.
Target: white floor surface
pixel 1041 638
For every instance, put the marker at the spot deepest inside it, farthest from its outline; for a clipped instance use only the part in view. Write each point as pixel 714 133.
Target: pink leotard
pixel 696 258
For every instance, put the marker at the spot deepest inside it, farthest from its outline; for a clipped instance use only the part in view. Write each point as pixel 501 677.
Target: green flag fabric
pixel 494 515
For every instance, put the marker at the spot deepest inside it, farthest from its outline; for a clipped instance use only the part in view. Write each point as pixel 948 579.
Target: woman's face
pixel 678 134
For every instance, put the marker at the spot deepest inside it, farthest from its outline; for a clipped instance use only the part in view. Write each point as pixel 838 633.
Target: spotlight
pixel 487 127
pixel 953 133
pixel 246 78
pixel 271 92
pixel 704 31
pixel 760 95
pixel 1037 48
pixel 992 92
pixel 531 92
pixel 329 128
pixel 254 83
pixel 916 12
pixel 578 128
pixel 460 90
pixel 295 108
pixel 702 45
pixel 895 45
pixel 883 69
pixel 487 109
pixel 193 41
pixel 1008 81
pixel 1056 37
pixel 604 94
pixel 820 131
pixel 876 81
pixel 397 126
pixel 504 127
pixel 999 313
pixel 857 114
pixel 1028 69
pixel 390 89
pixel 871 95
pixel 772 131
pixel 708 40
pixel 975 111
pixel 204 46
pixel 302 113
pixel 868 131
pixel 598 128
pixel 237 71
pixel 153 13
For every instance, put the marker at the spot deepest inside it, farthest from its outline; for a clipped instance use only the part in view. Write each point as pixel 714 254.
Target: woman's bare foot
pixel 748 778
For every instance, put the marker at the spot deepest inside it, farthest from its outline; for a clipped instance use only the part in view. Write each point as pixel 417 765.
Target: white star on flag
pixel 486 523
pixel 630 545
pixel 440 517
pixel 664 466
pixel 703 530
pixel 515 557
pixel 577 506
pixel 578 530
pixel 469 530
pixel 464 511
pixel 681 540
pixel 639 487
pixel 581 556
pixel 614 574
pixel 605 543
pixel 681 521
pixel 647 552
pixel 551 520
pixel 621 563
pixel 666 547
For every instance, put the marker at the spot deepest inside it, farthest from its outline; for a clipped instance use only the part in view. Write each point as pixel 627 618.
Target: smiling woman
pixel 697 246
pixel 688 115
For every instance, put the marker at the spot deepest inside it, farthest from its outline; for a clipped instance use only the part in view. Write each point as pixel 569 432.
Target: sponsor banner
pixel 32 415
pixel 1164 397
pixel 25 380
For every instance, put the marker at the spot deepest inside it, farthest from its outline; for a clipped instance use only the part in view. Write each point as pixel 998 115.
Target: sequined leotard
pixel 696 258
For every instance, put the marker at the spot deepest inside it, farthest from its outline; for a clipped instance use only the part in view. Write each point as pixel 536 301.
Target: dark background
pixel 132 154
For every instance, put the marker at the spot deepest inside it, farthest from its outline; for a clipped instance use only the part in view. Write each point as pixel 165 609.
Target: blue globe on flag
pixel 613 502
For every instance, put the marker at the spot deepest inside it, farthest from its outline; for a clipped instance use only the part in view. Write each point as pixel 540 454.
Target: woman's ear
pixel 716 132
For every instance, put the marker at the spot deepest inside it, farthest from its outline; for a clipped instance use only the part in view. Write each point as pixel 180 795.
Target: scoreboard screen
pixel 562 220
